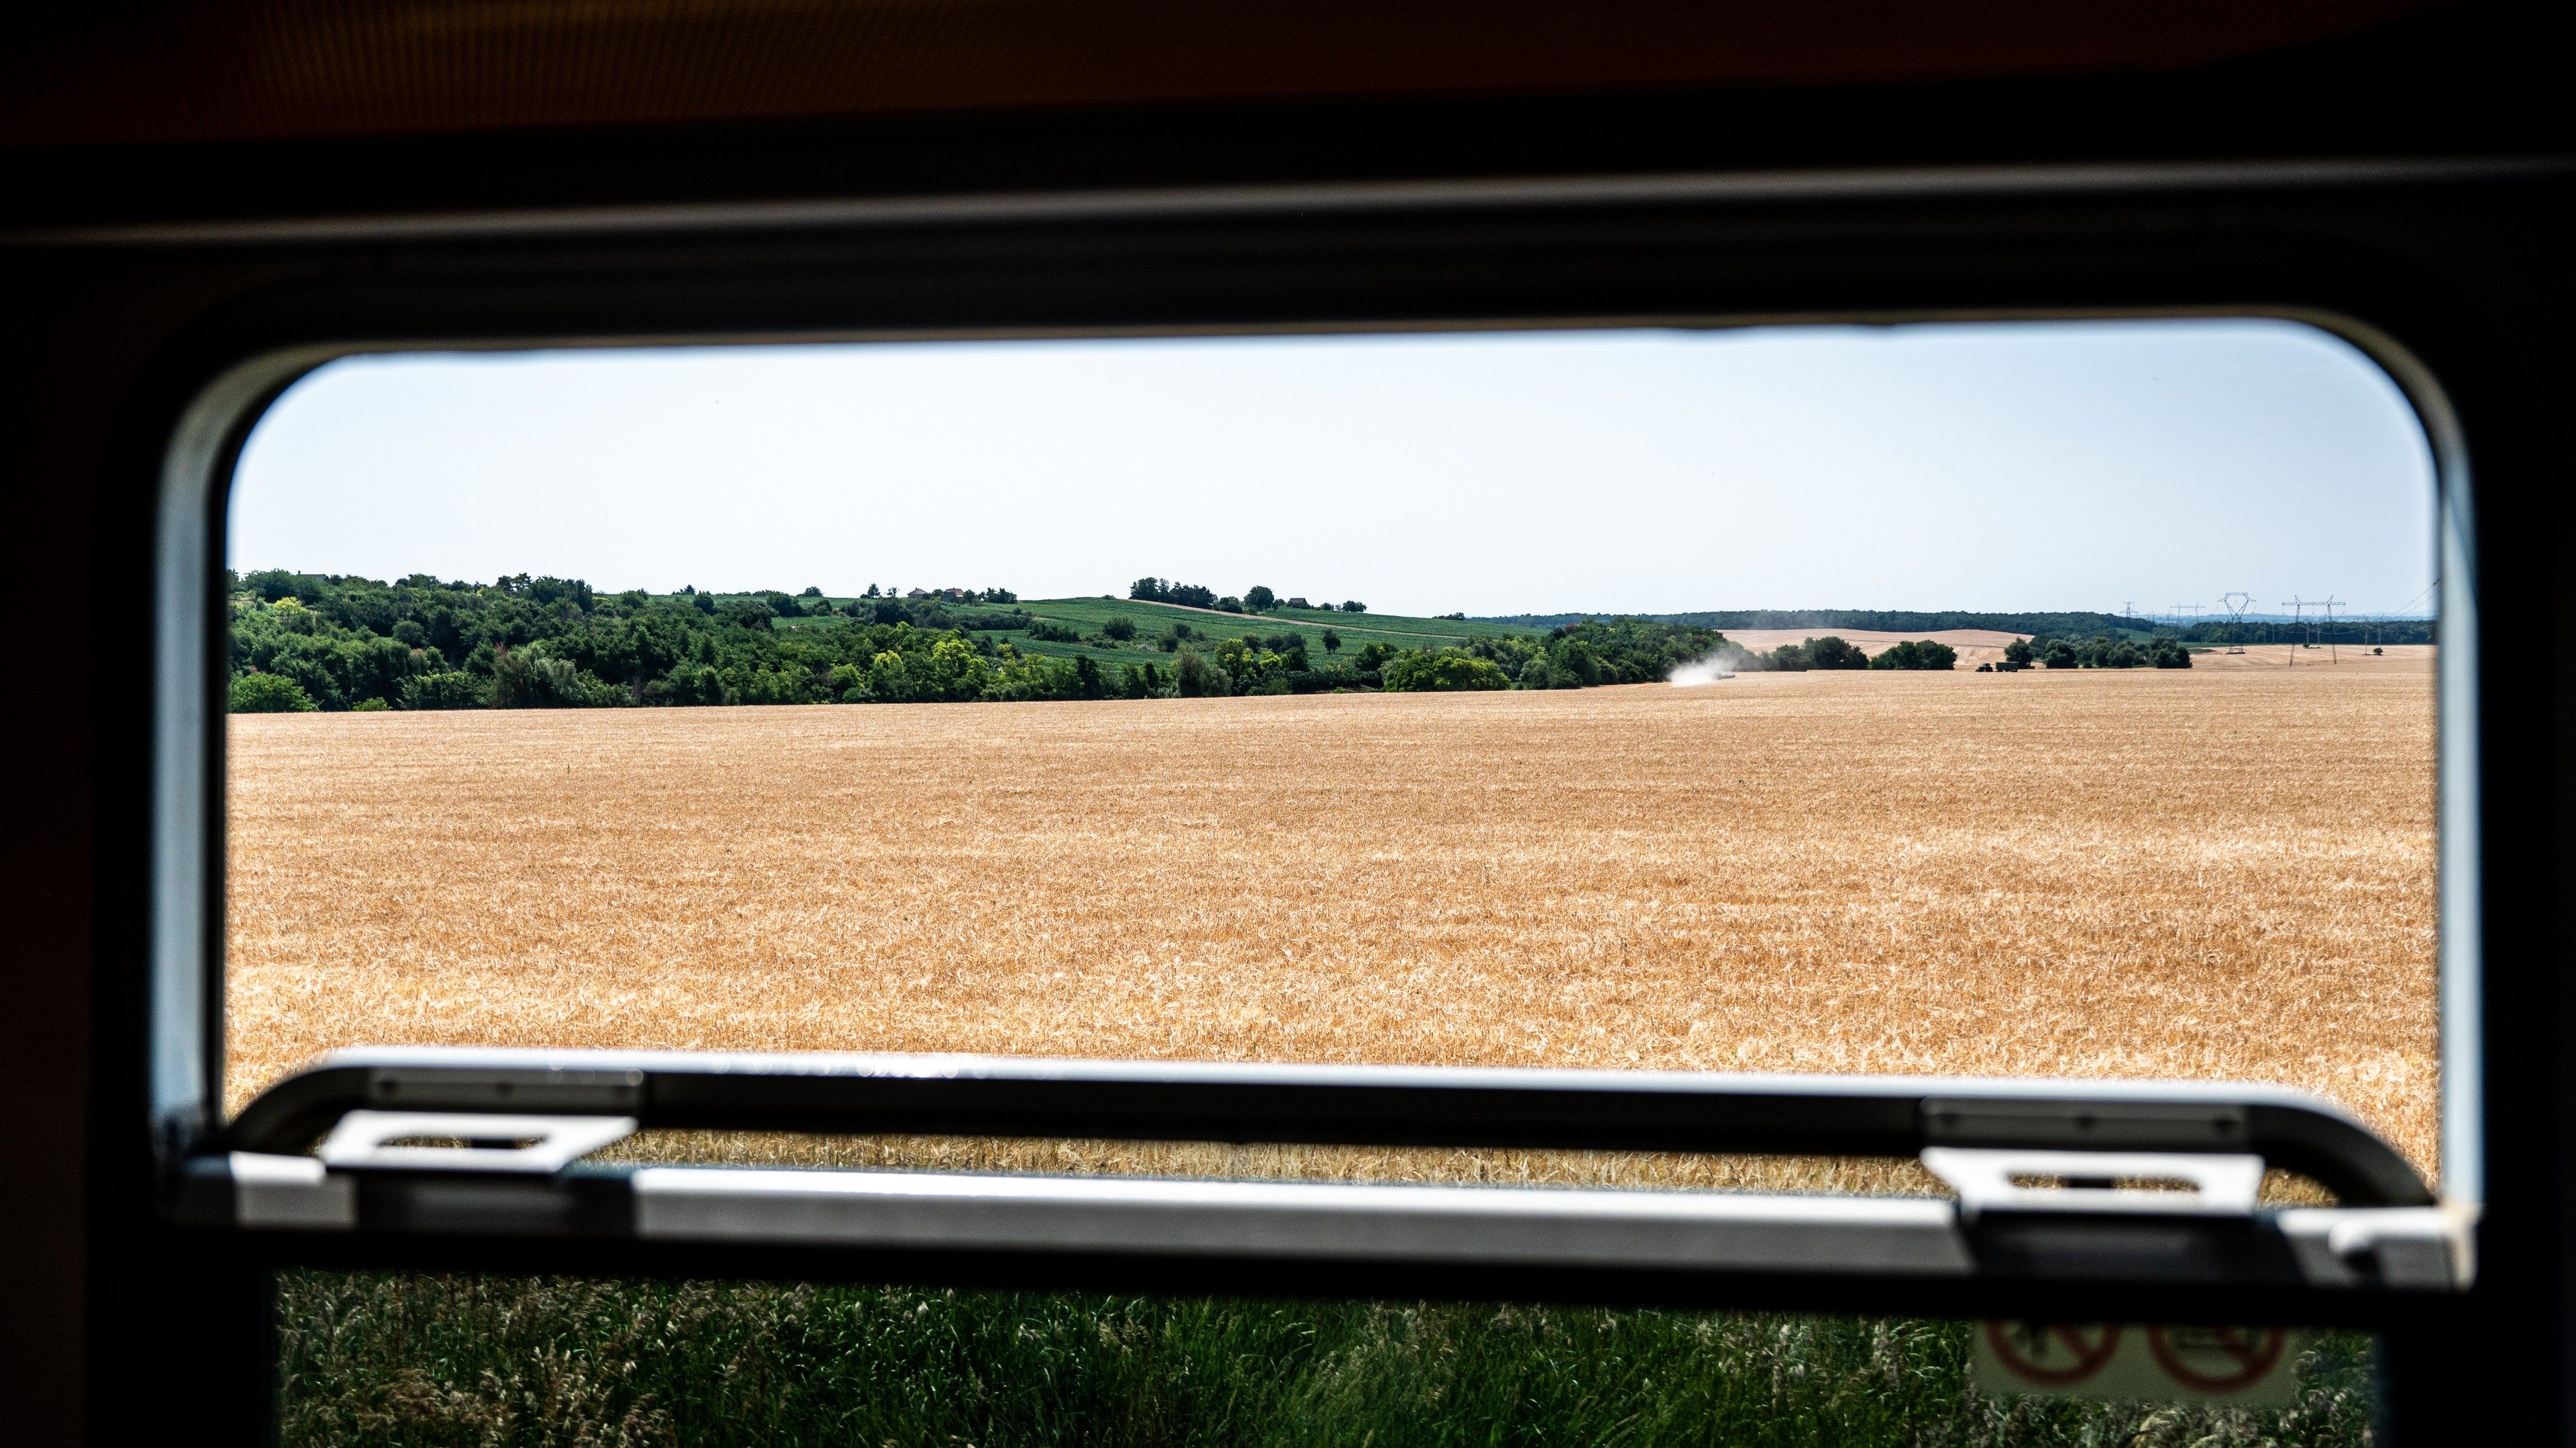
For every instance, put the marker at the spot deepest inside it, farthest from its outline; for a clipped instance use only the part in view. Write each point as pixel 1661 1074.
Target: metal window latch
pixel 2097 1181
pixel 542 1145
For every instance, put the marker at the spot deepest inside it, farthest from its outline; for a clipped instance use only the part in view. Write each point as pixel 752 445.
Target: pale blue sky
pixel 2020 466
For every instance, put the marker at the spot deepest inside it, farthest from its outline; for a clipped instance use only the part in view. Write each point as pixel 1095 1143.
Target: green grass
pixel 438 1360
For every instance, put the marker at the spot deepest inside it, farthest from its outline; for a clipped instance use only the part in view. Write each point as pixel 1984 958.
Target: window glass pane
pixel 1485 706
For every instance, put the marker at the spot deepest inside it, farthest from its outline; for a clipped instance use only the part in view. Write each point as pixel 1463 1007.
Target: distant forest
pixel 304 641
pixel 2062 625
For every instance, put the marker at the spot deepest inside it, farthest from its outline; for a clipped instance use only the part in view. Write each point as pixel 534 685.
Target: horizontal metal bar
pixel 1497 1226
pixel 2405 1249
pixel 1889 1116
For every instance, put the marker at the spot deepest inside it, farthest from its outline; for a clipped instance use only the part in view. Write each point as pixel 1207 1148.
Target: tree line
pixel 313 641
pixel 2077 625
pixel 2102 651
pixel 1257 599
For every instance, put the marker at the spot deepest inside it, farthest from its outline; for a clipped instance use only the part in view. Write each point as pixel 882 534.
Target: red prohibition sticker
pixel 2239 1366
pixel 2053 1354
pixel 2217 1360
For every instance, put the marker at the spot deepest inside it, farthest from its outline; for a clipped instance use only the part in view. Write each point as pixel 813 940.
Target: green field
pixel 1154 622
pixel 498 1362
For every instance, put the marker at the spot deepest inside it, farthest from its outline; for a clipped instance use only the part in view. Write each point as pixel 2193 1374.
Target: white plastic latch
pixel 2097 1181
pixel 372 1141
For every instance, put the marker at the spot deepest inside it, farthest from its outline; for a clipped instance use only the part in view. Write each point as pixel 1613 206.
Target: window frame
pixel 259 361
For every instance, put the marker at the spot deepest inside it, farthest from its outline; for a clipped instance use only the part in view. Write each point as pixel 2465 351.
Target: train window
pixel 1374 742
pixel 1905 800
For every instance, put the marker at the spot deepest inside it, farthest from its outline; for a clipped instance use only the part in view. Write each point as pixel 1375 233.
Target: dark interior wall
pixel 146 71
pixel 2454 80
pixel 45 883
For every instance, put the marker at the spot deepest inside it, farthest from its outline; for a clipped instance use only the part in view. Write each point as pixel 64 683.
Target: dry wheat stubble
pixel 2196 874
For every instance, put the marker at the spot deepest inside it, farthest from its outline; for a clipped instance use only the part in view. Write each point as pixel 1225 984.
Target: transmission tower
pixel 2330 605
pixel 2236 604
pixel 2298 608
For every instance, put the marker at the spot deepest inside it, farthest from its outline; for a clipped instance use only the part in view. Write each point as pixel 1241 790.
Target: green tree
pixel 889 678
pixel 1193 677
pixel 1445 669
pixel 2018 653
pixel 450 689
pixel 1332 642
pixel 1574 658
pixel 1260 599
pixel 957 671
pixel 1916 654
pixel 2105 652
pixel 1834 652
pixel 1118 628
pixel 270 694
pixel 549 591
pixel 1247 664
pixel 529 678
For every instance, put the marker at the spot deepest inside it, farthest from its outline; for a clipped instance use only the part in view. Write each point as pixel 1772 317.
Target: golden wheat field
pixel 2201 874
